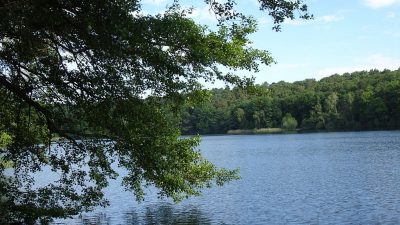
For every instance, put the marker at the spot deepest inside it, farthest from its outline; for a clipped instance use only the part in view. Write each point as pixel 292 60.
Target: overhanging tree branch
pixel 53 128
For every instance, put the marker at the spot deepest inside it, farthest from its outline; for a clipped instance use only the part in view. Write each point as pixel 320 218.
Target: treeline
pixel 363 100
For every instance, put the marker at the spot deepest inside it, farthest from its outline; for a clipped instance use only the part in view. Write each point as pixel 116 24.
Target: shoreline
pixel 297 131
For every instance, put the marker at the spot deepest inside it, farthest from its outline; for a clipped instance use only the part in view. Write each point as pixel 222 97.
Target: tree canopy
pixel 364 100
pixel 98 76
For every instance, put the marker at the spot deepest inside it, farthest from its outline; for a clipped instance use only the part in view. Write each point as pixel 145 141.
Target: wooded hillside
pixel 352 101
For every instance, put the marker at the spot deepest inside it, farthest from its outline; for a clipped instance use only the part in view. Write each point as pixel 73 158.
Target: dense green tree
pixel 316 120
pixel 288 122
pixel 352 101
pixel 331 110
pixel 331 103
pixel 345 106
pixel 240 117
pixel 101 76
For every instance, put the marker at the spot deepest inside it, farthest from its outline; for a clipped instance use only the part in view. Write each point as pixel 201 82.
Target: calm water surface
pixel 323 178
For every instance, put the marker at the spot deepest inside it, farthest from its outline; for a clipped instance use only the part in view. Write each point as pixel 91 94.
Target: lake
pixel 316 178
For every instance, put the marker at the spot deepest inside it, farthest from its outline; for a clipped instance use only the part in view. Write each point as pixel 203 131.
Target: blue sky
pixel 345 36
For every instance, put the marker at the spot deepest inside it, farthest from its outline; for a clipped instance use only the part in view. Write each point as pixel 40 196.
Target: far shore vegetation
pixel 260 131
pixel 364 100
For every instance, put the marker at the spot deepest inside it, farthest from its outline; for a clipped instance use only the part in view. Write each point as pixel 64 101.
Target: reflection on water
pixel 96 219
pixel 160 214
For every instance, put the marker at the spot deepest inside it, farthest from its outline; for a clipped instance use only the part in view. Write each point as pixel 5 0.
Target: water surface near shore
pixel 313 178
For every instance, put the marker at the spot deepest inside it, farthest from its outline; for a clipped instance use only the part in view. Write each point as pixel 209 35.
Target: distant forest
pixel 366 100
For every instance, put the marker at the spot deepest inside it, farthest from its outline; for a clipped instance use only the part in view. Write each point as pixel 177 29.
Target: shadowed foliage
pixel 98 75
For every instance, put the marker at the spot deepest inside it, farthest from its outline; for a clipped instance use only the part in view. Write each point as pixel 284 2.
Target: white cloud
pixel 298 22
pixel 155 2
pixel 264 21
pixel 375 61
pixel 336 17
pixel 203 14
pixel 393 34
pixel 380 61
pixel 138 14
pixel 391 15
pixel 380 3
pixel 332 18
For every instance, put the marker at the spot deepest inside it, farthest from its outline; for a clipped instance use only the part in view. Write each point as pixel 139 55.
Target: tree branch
pixel 45 112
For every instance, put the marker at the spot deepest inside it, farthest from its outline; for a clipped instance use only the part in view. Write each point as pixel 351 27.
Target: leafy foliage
pixel 288 122
pixel 357 101
pixel 106 80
